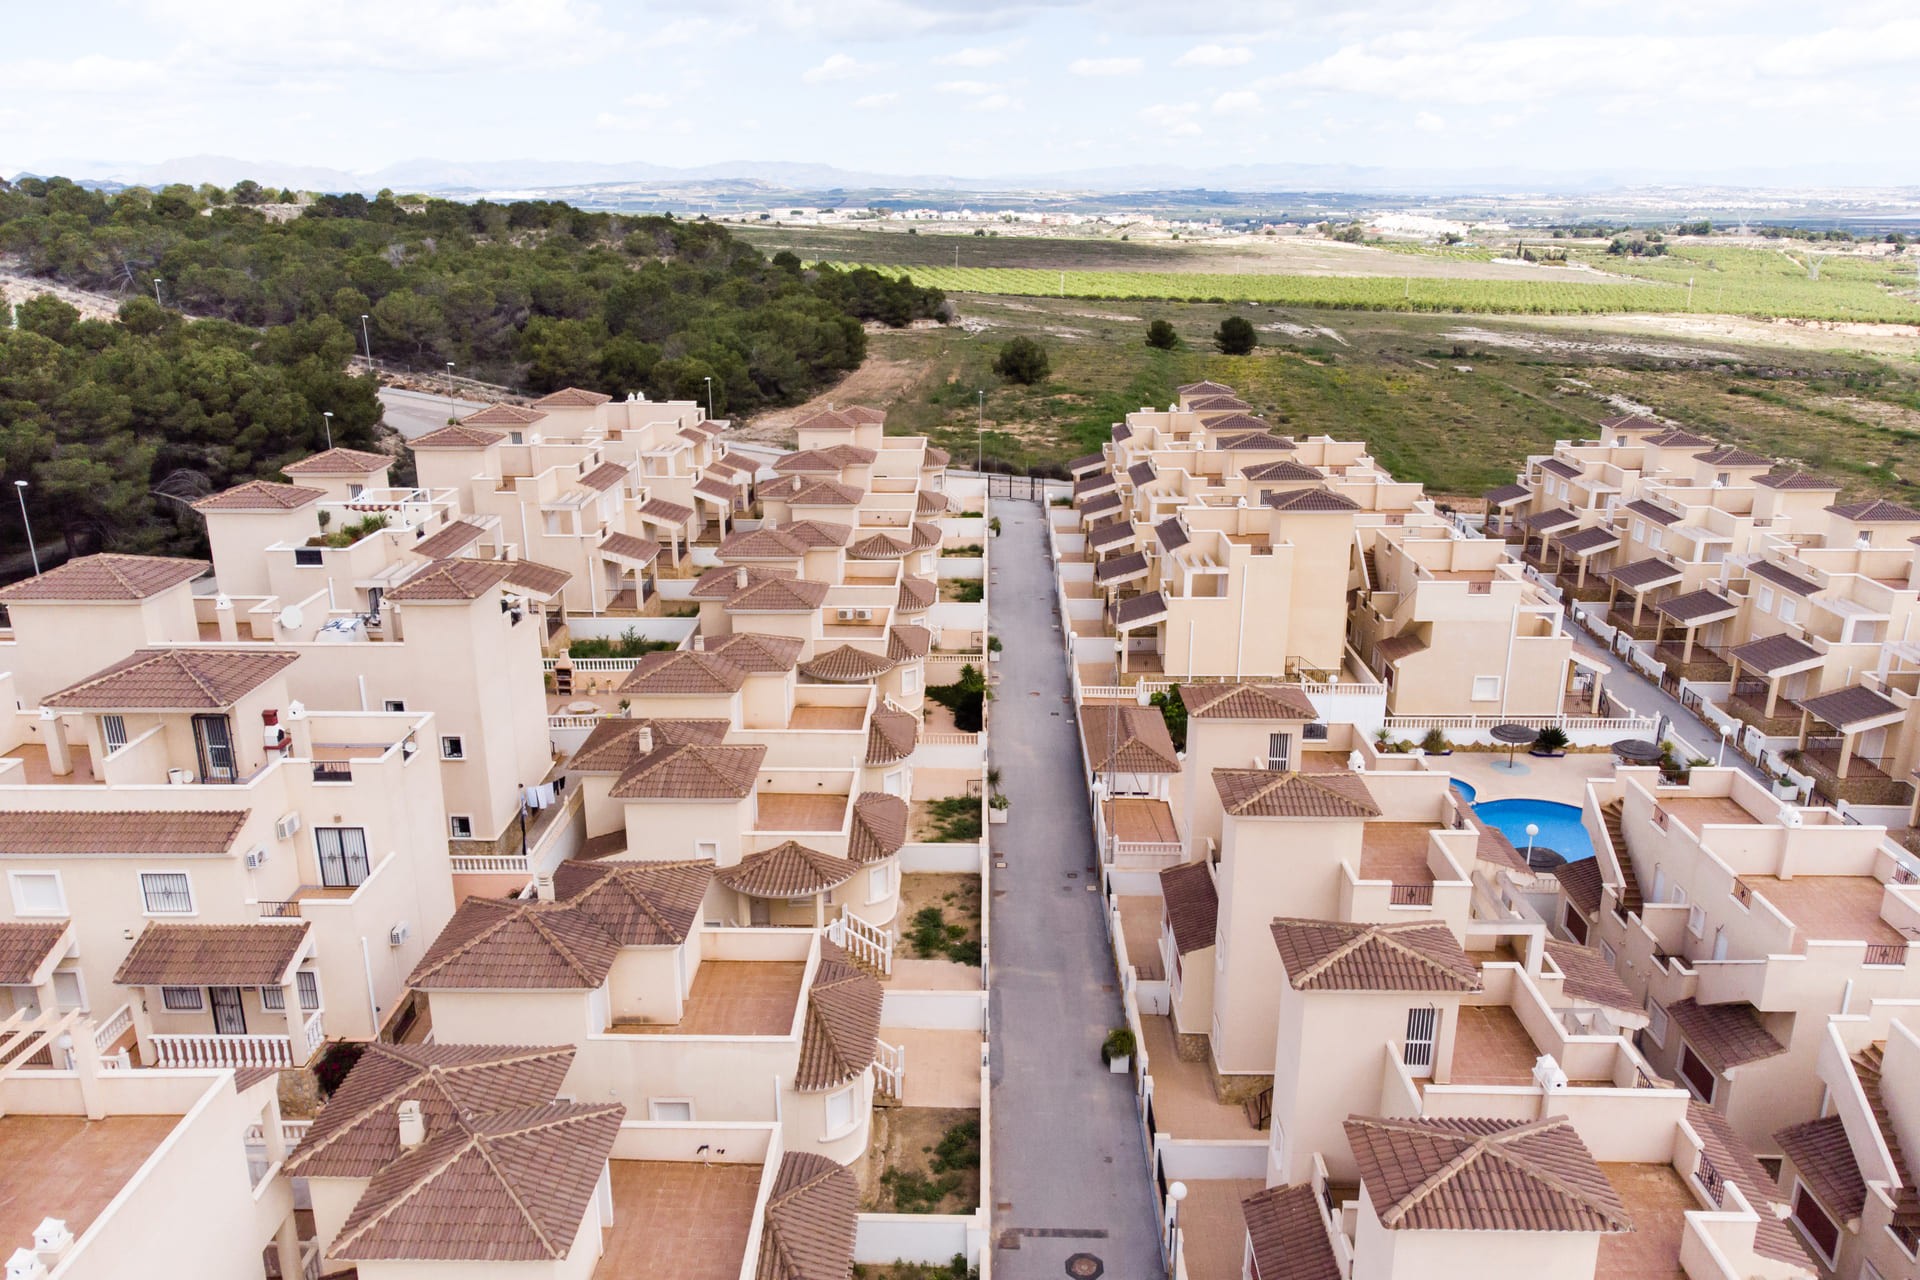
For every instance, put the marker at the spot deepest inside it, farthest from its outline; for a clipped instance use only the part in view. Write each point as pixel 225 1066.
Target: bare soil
pixel 878 382
pixel 955 893
pixel 904 1138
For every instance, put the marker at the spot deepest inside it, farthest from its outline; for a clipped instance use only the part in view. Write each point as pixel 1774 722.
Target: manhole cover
pixel 1085 1266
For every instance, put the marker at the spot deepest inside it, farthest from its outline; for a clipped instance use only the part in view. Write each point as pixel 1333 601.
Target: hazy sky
pixel 973 87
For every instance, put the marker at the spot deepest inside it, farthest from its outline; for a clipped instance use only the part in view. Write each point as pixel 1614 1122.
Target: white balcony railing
pixel 112 1028
pixel 1147 855
pixel 483 864
pixel 222 1051
pixel 862 941
pixel 890 1070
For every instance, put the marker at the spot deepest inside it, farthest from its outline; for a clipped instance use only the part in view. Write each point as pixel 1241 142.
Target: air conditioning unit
pixel 844 615
pixel 398 935
pixel 179 777
pixel 256 858
pixel 287 826
pixel 864 615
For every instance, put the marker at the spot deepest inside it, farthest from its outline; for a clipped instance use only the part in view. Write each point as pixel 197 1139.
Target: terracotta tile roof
pixel 1311 501
pixel 916 595
pixel 779 595
pixel 1824 1158
pixel 825 418
pixel 1116 569
pixel 1675 438
pixel 1649 511
pixel 340 462
pixel 638 904
pixel 1587 541
pixel 660 511
pixel 1140 609
pixel 571 398
pixel 1631 422
pixel 1724 1036
pixel 1791 478
pixel 879 827
pixel 504 944
pixel 25 946
pixel 721 491
pixel 1580 881
pixel 159 832
pixel 451 581
pixel 458 436
pixel 1550 519
pixel 929 502
pixel 1483 1175
pixel 1783 577
pixel 1589 977
pixel 1642 575
pixel 628 547
pixel 1087 462
pixel 1284 471
pixel 1697 607
pixel 908 643
pixel 1507 494
pixel 1140 473
pixel 761 544
pixel 726 580
pixel 817 493
pixel 789 870
pixel 1127 738
pixel 926 536
pixel 845 664
pixel 1392 649
pixel 175 680
pixel 1775 654
pixel 357 1132
pixel 614 745
pixel 842 1027
pixel 213 955
pixel 1206 388
pixel 508 1186
pixel 1247 702
pixel 1090 486
pixel 1120 431
pixel 1563 469
pixel 820 533
pixel 935 457
pixel 1733 456
pixel 690 771
pixel 1210 404
pixel 807 462
pixel 1193 906
pixel 1256 442
pixel 1171 534
pixel 92 579
pixel 684 671
pixel 1773 1238
pixel 758 654
pixel 1111 534
pixel 502 415
pixel 604 477
pixel 455 538
pixel 1875 511
pixel 1845 708
pixel 877 546
pixel 1235 421
pixel 1288 1237
pixel 535 579
pixel 261 495
pixel 731 468
pixel 1412 955
pixel 891 736
pixel 1270 793
pixel 812 1217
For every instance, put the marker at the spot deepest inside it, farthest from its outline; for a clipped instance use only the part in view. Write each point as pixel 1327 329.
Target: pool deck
pixel 1563 780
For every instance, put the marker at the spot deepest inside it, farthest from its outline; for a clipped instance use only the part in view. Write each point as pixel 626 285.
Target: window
pixel 1657 540
pixel 1821 1231
pixel 1696 921
pixel 1660 884
pixel 1789 609
pixel 1576 924
pixel 460 826
pixel 308 557
pixel 1763 599
pixel 113 731
pixel 1607 952
pixel 1279 752
pixel 910 680
pixel 1657 1023
pixel 670 1110
pixel 1696 1073
pixel 1639 532
pixel 709 850
pixel 308 983
pixel 1486 688
pixel 182 999
pixel 839 1112
pixel 1679 896
pixel 516 437
pixel 1423 1027
pixel 879 883
pixel 343 856
pixel 167 893
pixel 395 704
pixel 37 893
pixel 452 747
pixel 68 993
pixel 1313 732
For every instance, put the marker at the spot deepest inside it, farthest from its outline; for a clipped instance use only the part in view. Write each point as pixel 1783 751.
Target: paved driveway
pixel 1069 1173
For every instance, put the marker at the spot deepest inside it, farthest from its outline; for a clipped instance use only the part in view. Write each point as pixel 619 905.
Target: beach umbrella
pixel 1638 751
pixel 1513 737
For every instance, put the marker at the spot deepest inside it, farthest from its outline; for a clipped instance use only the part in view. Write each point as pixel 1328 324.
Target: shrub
pixel 628 644
pixel 1023 361
pixel 1118 1044
pixel 1435 743
pixel 1161 336
pixel 1550 739
pixel 966 590
pixel 956 819
pixel 1235 336
pixel 1174 711
pixel 966 698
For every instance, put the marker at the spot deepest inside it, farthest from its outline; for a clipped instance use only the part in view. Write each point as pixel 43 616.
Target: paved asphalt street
pixel 414 413
pixel 1069 1172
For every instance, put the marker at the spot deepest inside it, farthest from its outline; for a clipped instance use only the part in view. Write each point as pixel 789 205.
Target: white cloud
pixel 838 66
pixel 1236 101
pixel 996 102
pixel 650 101
pixel 1427 122
pixel 1215 55
pixel 1107 66
pixel 875 101
pixel 970 88
pixel 701 31
pixel 1174 119
pixel 991 55
pixel 643 124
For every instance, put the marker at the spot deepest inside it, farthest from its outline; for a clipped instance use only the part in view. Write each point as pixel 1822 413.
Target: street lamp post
pixel 1175 1194
pixel 1724 732
pixel 368 340
pixel 20 491
pixel 156 292
pixel 980 432
pixel 1533 829
pixel 709 382
pixel 450 412
pixel 328 415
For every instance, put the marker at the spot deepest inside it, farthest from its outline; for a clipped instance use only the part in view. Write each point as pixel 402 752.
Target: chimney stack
pixel 413 1126
pixel 25 1265
pixel 51 1240
pixel 543 886
pixel 740 578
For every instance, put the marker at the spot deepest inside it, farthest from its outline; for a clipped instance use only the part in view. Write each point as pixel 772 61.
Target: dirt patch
pixel 955 895
pixel 877 382
pixel 1540 342
pixel 917 1152
pixel 16 288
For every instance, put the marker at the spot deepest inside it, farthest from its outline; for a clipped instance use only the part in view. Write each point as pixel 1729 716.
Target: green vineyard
pixel 1754 282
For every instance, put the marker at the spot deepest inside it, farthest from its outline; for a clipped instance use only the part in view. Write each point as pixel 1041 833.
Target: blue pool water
pixel 1559 824
pixel 1465 789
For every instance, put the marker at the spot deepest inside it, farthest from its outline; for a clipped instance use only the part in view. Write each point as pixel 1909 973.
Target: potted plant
pixel 1117 1050
pixel 997 806
pixel 1381 737
pixel 1785 788
pixel 993 648
pixel 1551 743
pixel 1435 743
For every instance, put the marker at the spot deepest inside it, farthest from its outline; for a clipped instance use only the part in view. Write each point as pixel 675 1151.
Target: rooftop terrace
pixel 69 1167
pixel 793 811
pixel 1658 1201
pixel 1828 908
pixel 678 1221
pixel 734 998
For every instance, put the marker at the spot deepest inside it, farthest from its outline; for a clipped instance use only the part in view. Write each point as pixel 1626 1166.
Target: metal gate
pixel 1029 488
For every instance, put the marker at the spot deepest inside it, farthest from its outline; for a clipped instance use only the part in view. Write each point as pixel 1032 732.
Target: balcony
pixel 1867 780
pixel 1702 664
pixel 1748 704
pixel 200 1051
pixel 1620 617
pixel 1594 588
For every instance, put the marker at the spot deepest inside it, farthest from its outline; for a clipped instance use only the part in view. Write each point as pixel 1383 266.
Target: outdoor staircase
pixel 1613 816
pixel 1373 569
pixel 1906 1200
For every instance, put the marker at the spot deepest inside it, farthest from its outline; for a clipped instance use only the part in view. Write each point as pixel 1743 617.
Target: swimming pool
pixel 1560 827
pixel 1465 789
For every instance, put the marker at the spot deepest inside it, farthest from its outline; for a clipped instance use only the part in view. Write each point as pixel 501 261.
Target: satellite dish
pixel 291 618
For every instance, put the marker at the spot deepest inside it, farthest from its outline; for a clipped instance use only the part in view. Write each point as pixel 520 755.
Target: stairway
pixel 1373 569
pixel 1613 814
pixel 1906 1201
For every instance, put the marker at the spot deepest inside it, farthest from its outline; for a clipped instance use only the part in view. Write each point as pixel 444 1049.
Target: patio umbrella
pixel 1638 751
pixel 1514 736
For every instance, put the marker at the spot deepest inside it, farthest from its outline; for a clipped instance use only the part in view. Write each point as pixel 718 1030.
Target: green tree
pixel 1022 360
pixel 1235 336
pixel 1162 336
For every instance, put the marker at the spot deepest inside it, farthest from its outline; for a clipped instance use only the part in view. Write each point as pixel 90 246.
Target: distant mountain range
pixel 780 179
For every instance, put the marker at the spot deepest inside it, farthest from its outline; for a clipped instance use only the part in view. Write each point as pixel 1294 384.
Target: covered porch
pixel 1698 619
pixel 1630 595
pixel 1856 762
pixel 242 996
pixel 1576 558
pixel 1768 677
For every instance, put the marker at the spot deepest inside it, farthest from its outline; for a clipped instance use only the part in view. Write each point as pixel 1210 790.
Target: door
pixel 229 1019
pixel 759 914
pixel 1423 1028
pixel 343 856
pixel 214 737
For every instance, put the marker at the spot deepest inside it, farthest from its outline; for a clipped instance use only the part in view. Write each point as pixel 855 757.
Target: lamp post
pixel 20 491
pixel 980 433
pixel 1533 829
pixel 709 382
pixel 450 412
pixel 368 340
pixel 1724 732
pixel 1175 1194
pixel 328 415
pixel 156 292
